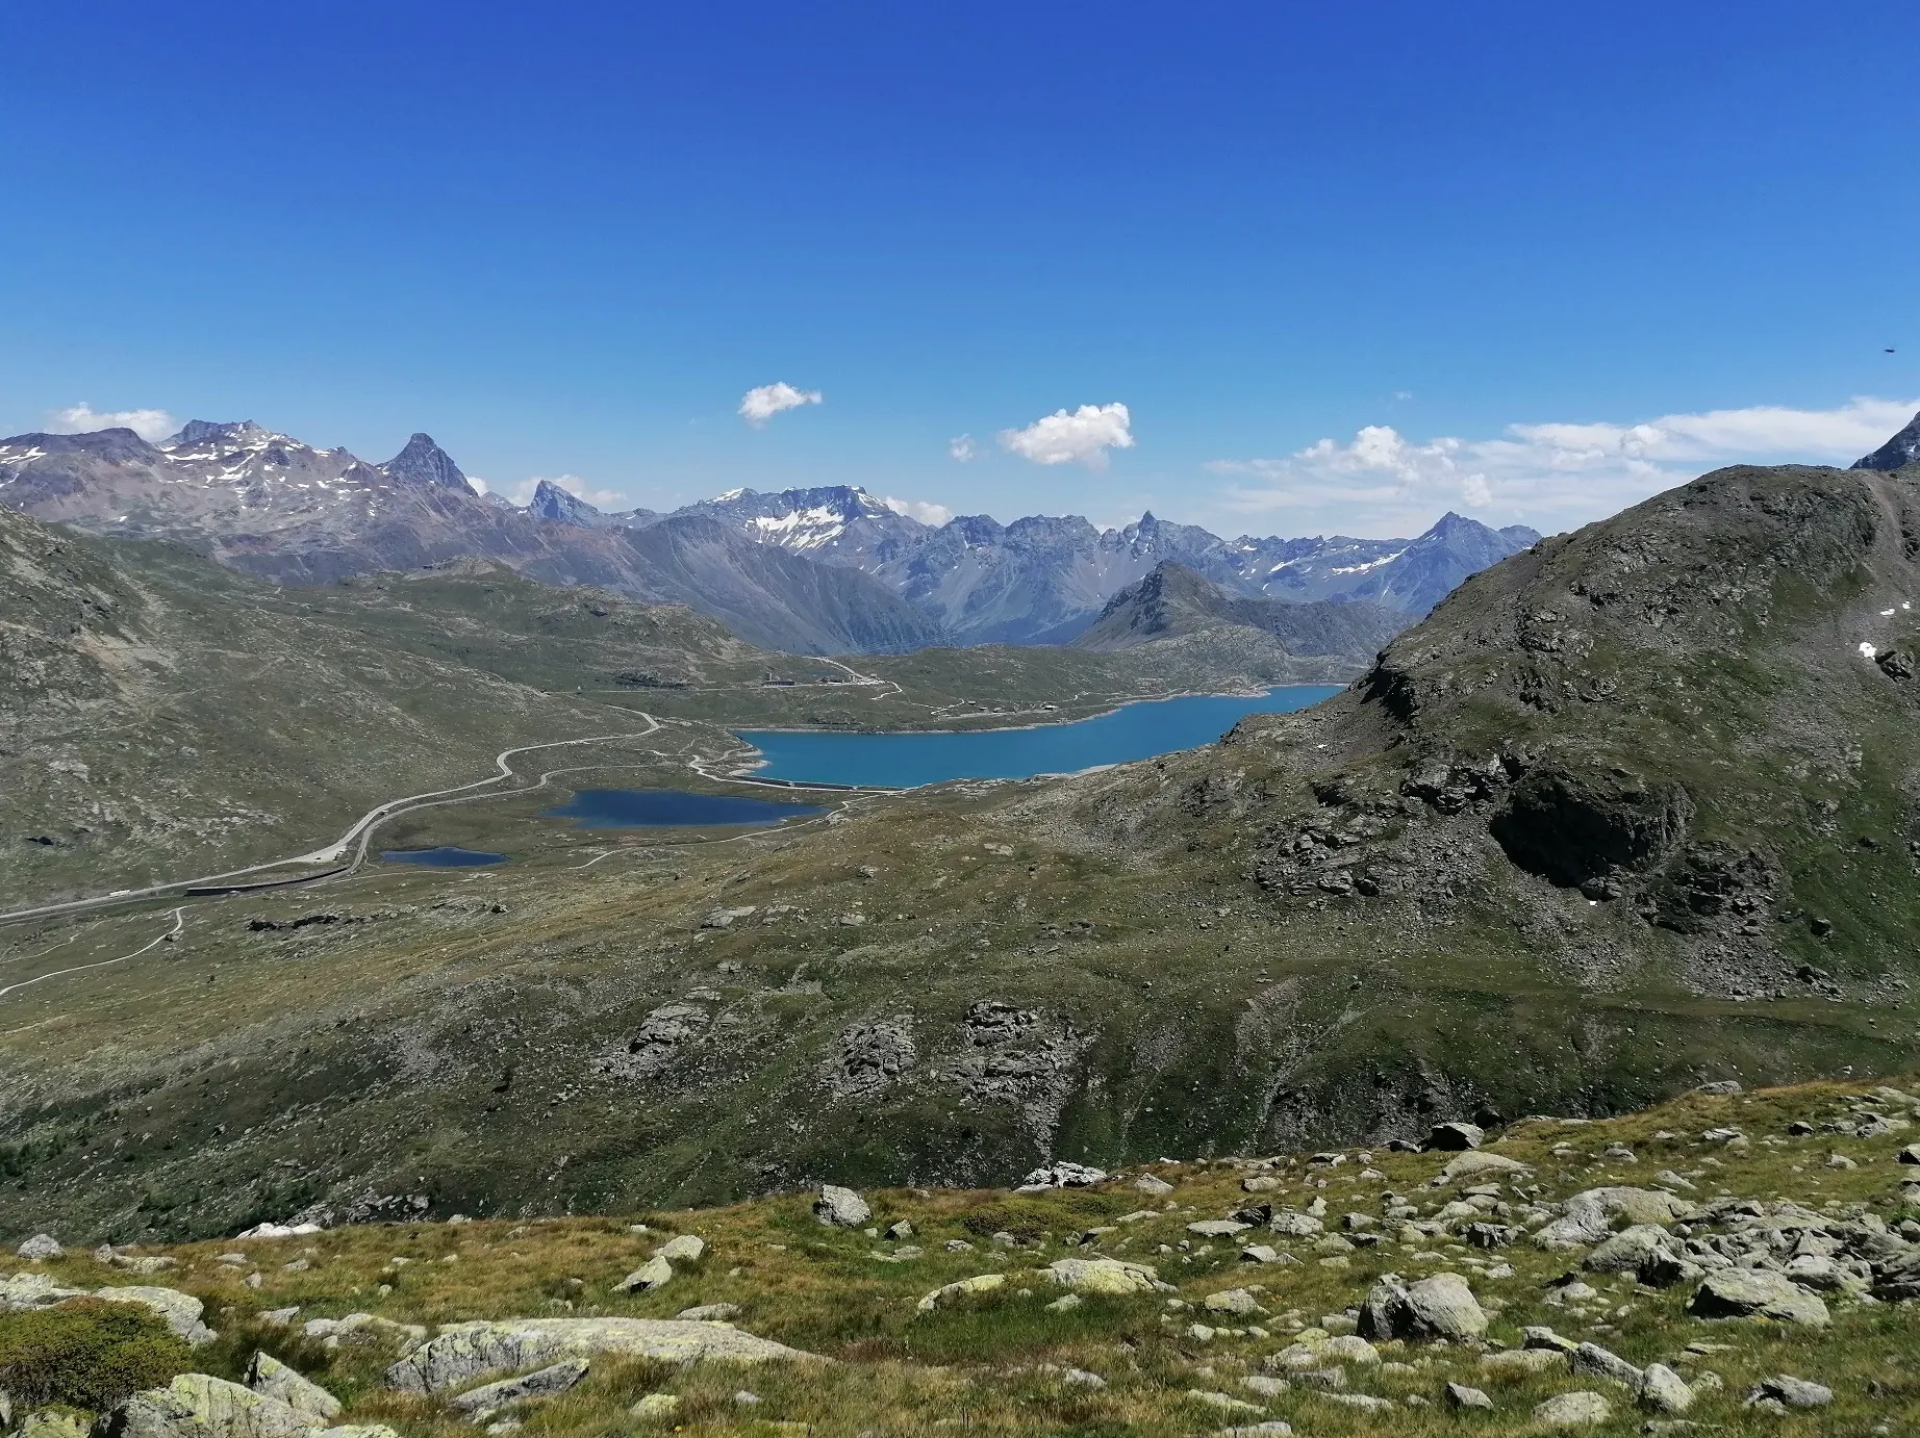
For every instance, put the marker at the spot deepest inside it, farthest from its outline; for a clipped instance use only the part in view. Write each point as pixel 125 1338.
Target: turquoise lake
pixel 903 761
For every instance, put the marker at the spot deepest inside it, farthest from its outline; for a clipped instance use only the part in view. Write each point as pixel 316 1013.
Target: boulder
pixel 180 1311
pixel 463 1352
pixel 1792 1392
pixel 197 1406
pixel 269 1376
pixel 1629 1248
pixel 1591 1360
pixel 1456 1137
pixel 1292 1224
pixel 1588 1216
pixel 1572 1410
pixel 1150 1184
pixel 1234 1301
pixel 40 1246
pixel 656 1272
pixel 964 1288
pixel 1525 1360
pixel 1477 1163
pixel 1217 1227
pixel 541 1383
pixel 1459 1395
pixel 1103 1275
pixel 1664 1391
pixel 684 1248
pixel 656 1407
pixel 1756 1293
pixel 1438 1307
pixel 20 1292
pixel 709 1313
pixel 840 1207
pixel 1061 1175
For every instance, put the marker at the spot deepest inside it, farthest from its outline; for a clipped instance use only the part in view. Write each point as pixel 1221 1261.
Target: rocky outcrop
pixel 463 1352
pixel 197 1406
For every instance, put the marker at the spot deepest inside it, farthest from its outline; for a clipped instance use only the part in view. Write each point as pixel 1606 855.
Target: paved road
pixel 354 840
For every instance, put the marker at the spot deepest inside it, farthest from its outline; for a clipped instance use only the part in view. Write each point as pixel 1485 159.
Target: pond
pixel 671 809
pixel 903 760
pixel 444 857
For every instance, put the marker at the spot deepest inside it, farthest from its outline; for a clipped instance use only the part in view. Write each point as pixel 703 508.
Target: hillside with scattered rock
pixel 1734 1262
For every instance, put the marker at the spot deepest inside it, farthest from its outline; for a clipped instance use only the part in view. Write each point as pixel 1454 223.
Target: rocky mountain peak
pixel 552 502
pixel 1897 453
pixel 208 431
pixel 424 462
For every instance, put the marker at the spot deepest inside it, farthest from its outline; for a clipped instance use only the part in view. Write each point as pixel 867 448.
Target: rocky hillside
pixel 1174 600
pixel 1742 1263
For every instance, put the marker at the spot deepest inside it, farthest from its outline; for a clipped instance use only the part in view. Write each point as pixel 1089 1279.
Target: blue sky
pixel 1345 266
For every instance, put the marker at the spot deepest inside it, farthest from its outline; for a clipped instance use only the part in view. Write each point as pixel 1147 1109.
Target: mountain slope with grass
pixel 1742 1263
pixel 1630 811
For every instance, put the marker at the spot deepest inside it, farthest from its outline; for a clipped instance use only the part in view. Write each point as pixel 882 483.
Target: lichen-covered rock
pixel 463 1352
pixel 53 1423
pixel 268 1375
pixel 683 1248
pixel 964 1288
pixel 1572 1410
pixel 1756 1293
pixel 1103 1275
pixel 40 1246
pixel 195 1405
pixel 180 1311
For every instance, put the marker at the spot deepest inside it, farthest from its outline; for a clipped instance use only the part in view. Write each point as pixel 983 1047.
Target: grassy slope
pixel 995 1363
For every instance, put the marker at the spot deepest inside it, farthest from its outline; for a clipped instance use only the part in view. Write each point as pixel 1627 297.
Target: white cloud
pixel 1082 437
pixel 923 510
pixel 961 447
pixel 762 403
pixel 82 418
pixel 1552 476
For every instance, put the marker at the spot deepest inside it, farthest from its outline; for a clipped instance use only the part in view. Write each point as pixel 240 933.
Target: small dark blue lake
pixel 670 809
pixel 444 857
pixel 903 761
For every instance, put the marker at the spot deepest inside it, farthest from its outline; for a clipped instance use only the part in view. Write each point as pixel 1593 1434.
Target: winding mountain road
pixel 354 841
pixel 179 923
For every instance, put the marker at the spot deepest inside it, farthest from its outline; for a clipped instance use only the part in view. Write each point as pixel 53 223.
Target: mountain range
pixel 827 570
pixel 1628 812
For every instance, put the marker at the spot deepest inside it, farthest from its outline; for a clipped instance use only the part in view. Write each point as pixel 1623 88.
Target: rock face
pixel 463 1352
pixel 1756 1293
pixel 196 1406
pixel 1570 827
pixel 840 1207
pixel 1438 1307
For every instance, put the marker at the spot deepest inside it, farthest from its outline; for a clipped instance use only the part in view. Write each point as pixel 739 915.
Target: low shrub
pixel 87 1354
